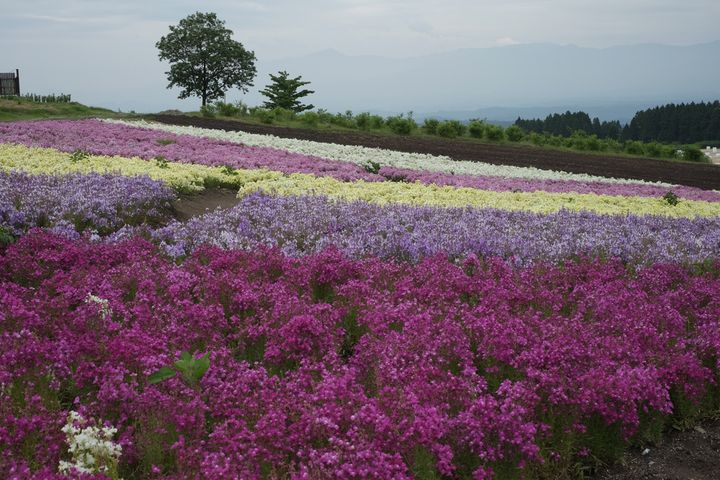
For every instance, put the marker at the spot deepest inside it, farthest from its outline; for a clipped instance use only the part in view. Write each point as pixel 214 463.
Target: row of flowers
pixel 102 138
pixel 365 156
pixel 184 178
pixel 308 224
pixel 326 367
pixel 190 177
pixel 383 193
pixel 210 147
pixel 73 203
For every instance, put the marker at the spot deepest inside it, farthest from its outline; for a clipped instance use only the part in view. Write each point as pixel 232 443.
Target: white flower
pixel 103 303
pixel 91 447
pixel 385 158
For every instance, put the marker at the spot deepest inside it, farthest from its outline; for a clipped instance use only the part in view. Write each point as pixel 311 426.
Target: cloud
pixel 422 27
pixel 505 41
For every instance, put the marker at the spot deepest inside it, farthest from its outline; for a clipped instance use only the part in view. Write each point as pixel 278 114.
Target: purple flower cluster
pixel 74 203
pixel 325 367
pixel 308 224
pixel 102 138
pixel 501 184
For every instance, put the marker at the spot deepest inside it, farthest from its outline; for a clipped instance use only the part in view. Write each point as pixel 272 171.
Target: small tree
pixel 204 59
pixel 284 92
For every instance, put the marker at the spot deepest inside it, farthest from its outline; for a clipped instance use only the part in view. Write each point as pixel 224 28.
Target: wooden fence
pixel 10 83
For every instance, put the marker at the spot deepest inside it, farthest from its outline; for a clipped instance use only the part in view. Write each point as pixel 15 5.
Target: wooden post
pixel 17 82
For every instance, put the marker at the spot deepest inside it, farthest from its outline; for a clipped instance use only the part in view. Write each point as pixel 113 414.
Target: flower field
pixel 360 313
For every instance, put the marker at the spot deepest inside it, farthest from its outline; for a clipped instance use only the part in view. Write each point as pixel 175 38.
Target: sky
pixel 103 51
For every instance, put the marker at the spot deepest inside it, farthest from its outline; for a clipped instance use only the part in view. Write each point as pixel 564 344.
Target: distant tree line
pixel 672 123
pixel 683 123
pixel 565 124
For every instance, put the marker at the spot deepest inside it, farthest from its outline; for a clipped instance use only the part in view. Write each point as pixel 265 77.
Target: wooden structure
pixel 10 83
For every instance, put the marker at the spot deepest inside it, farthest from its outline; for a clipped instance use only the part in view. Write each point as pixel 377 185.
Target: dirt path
pixel 697 175
pixel 187 206
pixel 694 454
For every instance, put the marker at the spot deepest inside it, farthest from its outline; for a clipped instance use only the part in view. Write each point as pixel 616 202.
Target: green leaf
pixel 163 374
pixel 200 366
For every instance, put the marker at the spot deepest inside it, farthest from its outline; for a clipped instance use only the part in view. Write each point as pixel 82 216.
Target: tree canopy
pixel 204 59
pixel 284 92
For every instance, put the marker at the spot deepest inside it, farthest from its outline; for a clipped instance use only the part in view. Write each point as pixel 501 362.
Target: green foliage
pixel 693 154
pixel 165 141
pixel 671 198
pixel 365 121
pixel 227 109
pixel 514 133
pixel 161 162
pixel 79 156
pixel 494 133
pixel 476 128
pixel 450 129
pixel 372 167
pixel 208 111
pixel 263 114
pixel 6 238
pixel 430 126
pixel 204 59
pixel 634 148
pixel 401 124
pixel 311 119
pixel 35 98
pixel 228 170
pixel 284 92
pixel 537 139
pixel 192 369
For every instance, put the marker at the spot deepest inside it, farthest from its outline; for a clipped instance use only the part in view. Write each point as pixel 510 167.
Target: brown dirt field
pixel 704 176
pixel 187 206
pixel 694 454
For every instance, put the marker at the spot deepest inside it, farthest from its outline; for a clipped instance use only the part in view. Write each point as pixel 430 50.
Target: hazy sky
pixel 103 51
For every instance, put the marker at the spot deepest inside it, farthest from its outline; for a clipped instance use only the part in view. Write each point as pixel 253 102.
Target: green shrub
pixel 476 128
pixel 208 111
pixel 362 121
pixel 226 109
pixel 450 129
pixel 514 133
pixel 537 139
pixel 376 122
pixel 263 114
pixel 401 125
pixel 311 119
pixel 693 154
pixel 593 143
pixel 494 133
pixel 283 114
pixel 671 198
pixel 430 126
pixel 654 149
pixel 634 148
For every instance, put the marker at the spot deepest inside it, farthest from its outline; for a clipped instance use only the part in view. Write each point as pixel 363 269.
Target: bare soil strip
pixel 188 206
pixel 704 176
pixel 694 454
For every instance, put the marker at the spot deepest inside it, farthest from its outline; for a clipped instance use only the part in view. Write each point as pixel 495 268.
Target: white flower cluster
pixel 385 158
pixel 91 448
pixel 104 305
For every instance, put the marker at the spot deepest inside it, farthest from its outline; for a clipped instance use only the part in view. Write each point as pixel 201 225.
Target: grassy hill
pixel 22 109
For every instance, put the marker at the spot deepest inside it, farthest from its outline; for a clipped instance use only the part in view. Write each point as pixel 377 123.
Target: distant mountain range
pixel 502 83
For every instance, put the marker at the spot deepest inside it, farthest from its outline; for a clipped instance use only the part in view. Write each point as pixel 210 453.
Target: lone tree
pixel 283 92
pixel 204 59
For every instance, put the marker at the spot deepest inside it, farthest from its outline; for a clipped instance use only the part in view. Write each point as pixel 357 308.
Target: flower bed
pixel 383 193
pixel 324 367
pixel 307 224
pixel 101 138
pixel 102 203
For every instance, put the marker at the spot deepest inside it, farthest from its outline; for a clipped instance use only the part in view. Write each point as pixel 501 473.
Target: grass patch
pixel 22 109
